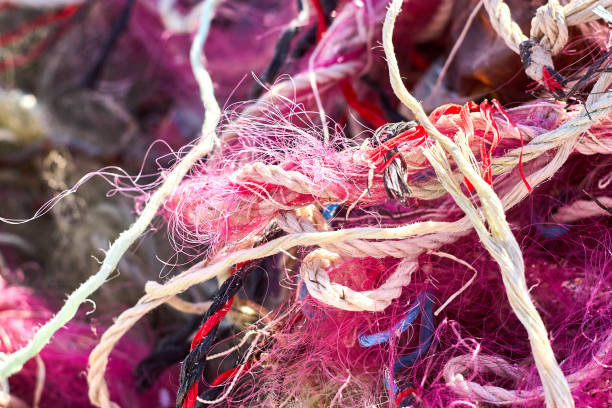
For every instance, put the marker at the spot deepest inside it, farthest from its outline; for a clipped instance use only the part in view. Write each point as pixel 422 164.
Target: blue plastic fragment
pixel 389 381
pixel 552 231
pixel 370 340
pixel 426 333
pixel 329 211
pixel 307 310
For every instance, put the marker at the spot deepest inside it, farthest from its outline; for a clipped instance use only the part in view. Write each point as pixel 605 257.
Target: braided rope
pixel 597 110
pixel 496 237
pixel 319 285
pixel 458 367
pixel 273 174
pixel 582 209
pixel 549 30
pixel 545 142
pixel 358 248
pixel 158 294
pixel 193 366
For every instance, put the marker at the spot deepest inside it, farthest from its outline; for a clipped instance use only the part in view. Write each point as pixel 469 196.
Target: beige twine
pixel 497 239
pixel 456 369
pixel 396 240
pixel 314 275
pixel 549 28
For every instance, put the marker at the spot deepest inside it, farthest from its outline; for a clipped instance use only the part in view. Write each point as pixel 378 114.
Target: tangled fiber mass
pixel 398 203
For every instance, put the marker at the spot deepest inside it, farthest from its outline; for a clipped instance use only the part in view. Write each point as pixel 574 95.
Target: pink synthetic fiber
pixel 315 352
pixel 65 358
pixel 570 293
pixel 226 199
pixel 315 355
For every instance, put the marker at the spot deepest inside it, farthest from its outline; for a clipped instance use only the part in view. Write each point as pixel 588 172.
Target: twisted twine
pixel 549 29
pixel 456 369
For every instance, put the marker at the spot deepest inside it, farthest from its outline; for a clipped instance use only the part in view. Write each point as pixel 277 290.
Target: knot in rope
pixel 548 36
pixel 536 58
pixel 549 26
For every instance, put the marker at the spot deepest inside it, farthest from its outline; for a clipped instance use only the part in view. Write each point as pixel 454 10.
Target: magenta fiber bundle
pixel 316 355
pixel 59 377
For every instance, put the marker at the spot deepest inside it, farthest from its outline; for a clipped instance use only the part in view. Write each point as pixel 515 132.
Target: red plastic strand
pixel 403 394
pixel 550 83
pixel 231 373
pixel 366 110
pixel 37 22
pixel 192 395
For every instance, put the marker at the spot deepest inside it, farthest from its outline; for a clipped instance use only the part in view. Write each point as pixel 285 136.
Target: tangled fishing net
pixel 399 203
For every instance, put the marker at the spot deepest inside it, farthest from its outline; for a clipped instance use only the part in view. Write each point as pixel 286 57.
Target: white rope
pixel 497 238
pixel 549 29
pixel 314 275
pixel 457 368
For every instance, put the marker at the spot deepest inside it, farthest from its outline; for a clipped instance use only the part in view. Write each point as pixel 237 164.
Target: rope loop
pixel 314 274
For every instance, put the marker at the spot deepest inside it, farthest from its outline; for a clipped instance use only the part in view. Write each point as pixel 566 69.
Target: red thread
pixel 469 185
pixel 550 82
pixel 212 321
pixel 191 397
pixel 465 120
pixel 366 110
pixel 487 155
pixel 403 394
pixel 452 109
pixel 416 136
pixel 231 373
pixel 520 166
pixel 37 22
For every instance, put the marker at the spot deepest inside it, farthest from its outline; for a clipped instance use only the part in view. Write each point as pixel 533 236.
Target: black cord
pixel 93 75
pixel 210 394
pixel 194 364
pixel 283 47
pixel 168 351
pixel 278 60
